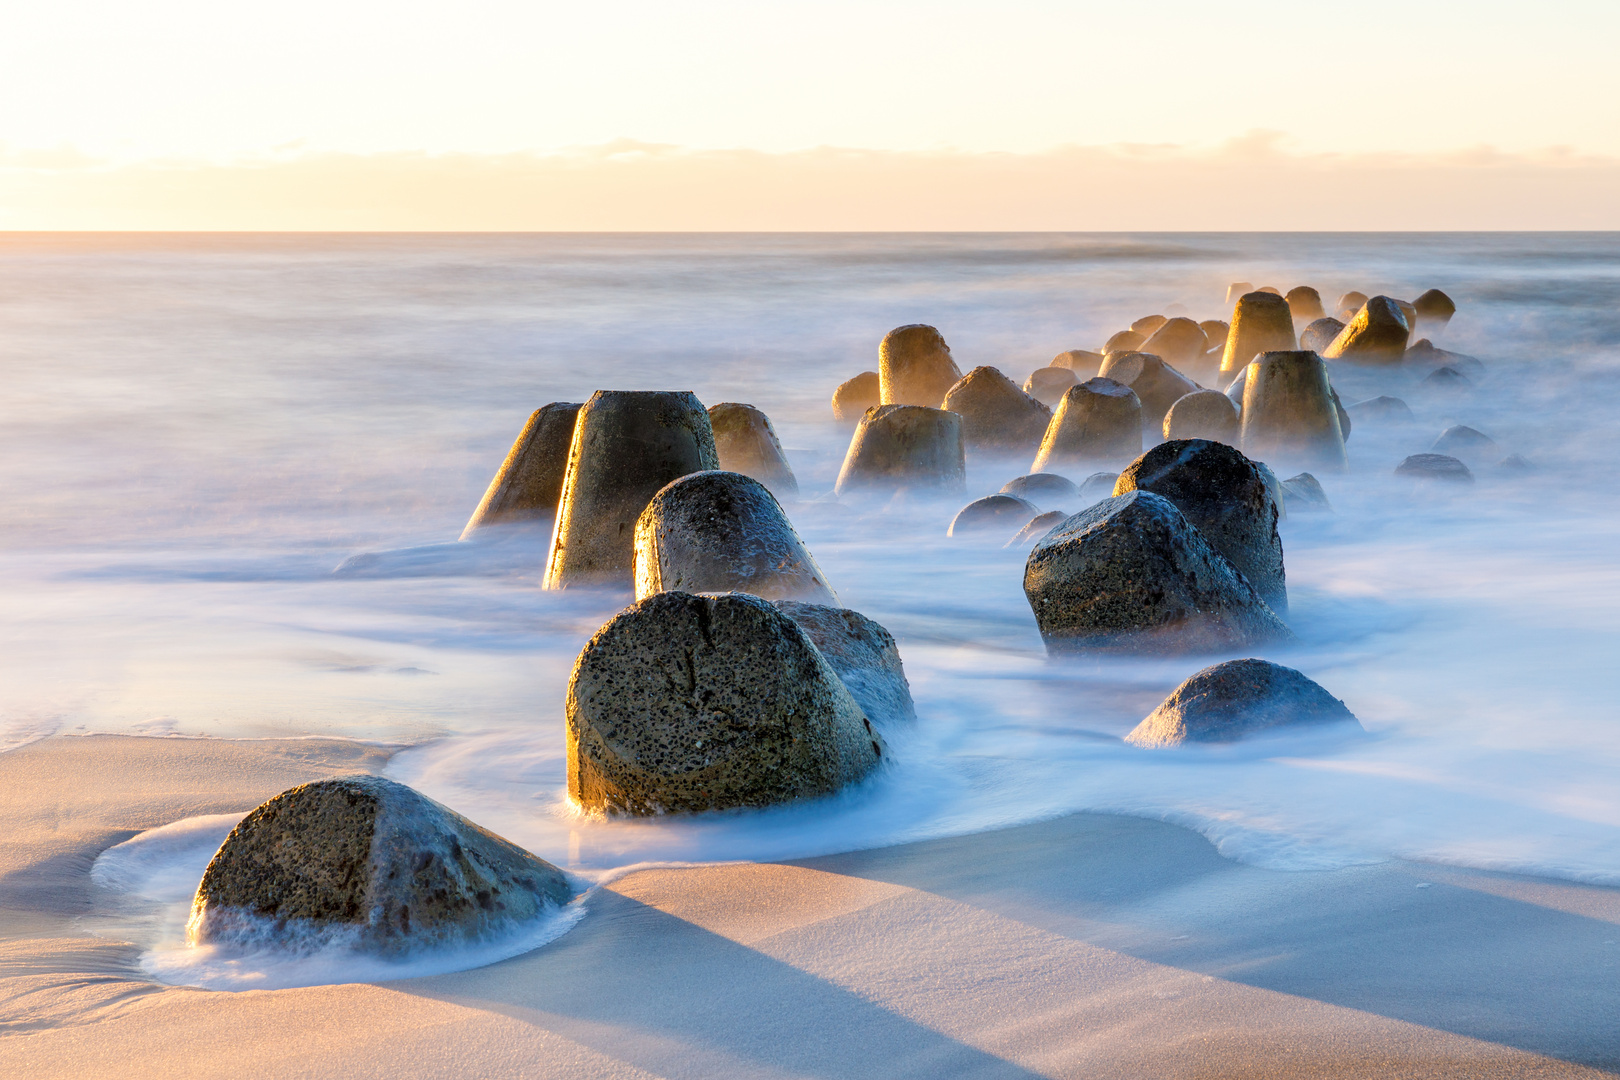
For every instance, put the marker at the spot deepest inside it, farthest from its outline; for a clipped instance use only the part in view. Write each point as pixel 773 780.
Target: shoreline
pixel 1086 945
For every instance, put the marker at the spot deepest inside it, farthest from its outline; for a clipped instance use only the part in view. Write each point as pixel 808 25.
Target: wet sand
pixel 1088 946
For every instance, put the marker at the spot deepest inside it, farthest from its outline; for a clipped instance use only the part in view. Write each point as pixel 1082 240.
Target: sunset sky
pixel 498 114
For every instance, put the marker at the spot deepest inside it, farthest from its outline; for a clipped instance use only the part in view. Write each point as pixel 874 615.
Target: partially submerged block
pixel 1181 342
pixel 687 703
pixel 1350 303
pixel 1124 341
pixel 915 366
pixel 1261 323
pixel 1434 310
pixel 996 414
pixel 863 654
pixel 745 442
pixel 1236 699
pixel 1047 385
pixel 1098 421
pixel 528 485
pixel 1289 412
pixel 993 513
pixel 1440 467
pixel 367 863
pixel 1157 384
pixel 900 447
pixel 1225 496
pixel 1084 363
pixel 1131 574
pixel 627 444
pixel 1047 490
pixel 1377 334
pixel 723 532
pixel 1320 334
pixel 1306 303
pixel 1203 414
pixel 854 396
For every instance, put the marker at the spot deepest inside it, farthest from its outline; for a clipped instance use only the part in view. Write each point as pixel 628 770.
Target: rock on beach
pixel 687 703
pixel 369 863
pixel 1131 574
pixel 1229 701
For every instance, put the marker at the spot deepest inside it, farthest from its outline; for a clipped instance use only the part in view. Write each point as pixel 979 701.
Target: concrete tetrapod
pixel 1261 323
pixel 1132 574
pixel 1289 412
pixel 1180 341
pixel 1047 385
pixel 1434 310
pixel 996 414
pixel 627 444
pixel 1305 303
pixel 1098 421
pixel 1377 334
pixel 1124 341
pixel 528 485
pixel 745 442
pixel 1228 701
pixel 1320 334
pixel 993 513
pixel 915 366
pixel 1084 363
pixel 1215 332
pixel 1442 467
pixel 854 396
pixel 723 532
pixel 896 447
pixel 1044 489
pixel 687 703
pixel 863 654
pixel 1203 414
pixel 367 863
pixel 1157 385
pixel 1148 325
pixel 1304 494
pixel 1350 303
pixel 1223 494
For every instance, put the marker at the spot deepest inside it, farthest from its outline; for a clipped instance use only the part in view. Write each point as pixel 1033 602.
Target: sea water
pixel 196 430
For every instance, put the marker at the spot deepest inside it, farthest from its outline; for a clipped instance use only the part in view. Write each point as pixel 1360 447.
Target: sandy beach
pixel 1087 946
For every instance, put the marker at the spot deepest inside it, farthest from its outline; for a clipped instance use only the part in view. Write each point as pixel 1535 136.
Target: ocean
pixel 196 430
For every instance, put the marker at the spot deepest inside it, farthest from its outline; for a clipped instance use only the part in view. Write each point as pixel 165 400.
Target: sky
pixel 493 113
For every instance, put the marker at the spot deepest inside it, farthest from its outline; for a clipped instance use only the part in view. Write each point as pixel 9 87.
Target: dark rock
pixel 1261 323
pixel 1434 310
pixel 1036 528
pixel 1047 385
pixel 1289 411
pixel 723 532
pixel 368 863
pixel 746 443
pixel 1423 354
pixel 691 703
pixel 627 445
pixel 993 513
pixel 1447 380
pixel 1147 325
pixel 1304 494
pixel 863 654
pixel 1157 385
pixel 1320 334
pixel 1099 420
pixel 852 398
pixel 1377 334
pixel 1131 574
pixel 1380 410
pixel 1203 414
pixel 1305 303
pixel 1435 467
pixel 1083 363
pixel 896 447
pixel 1226 702
pixel 1225 497
pixel 1044 489
pixel 915 366
pixel 996 415
pixel 1462 441
pixel 1180 341
pixel 1124 341
pixel 528 485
